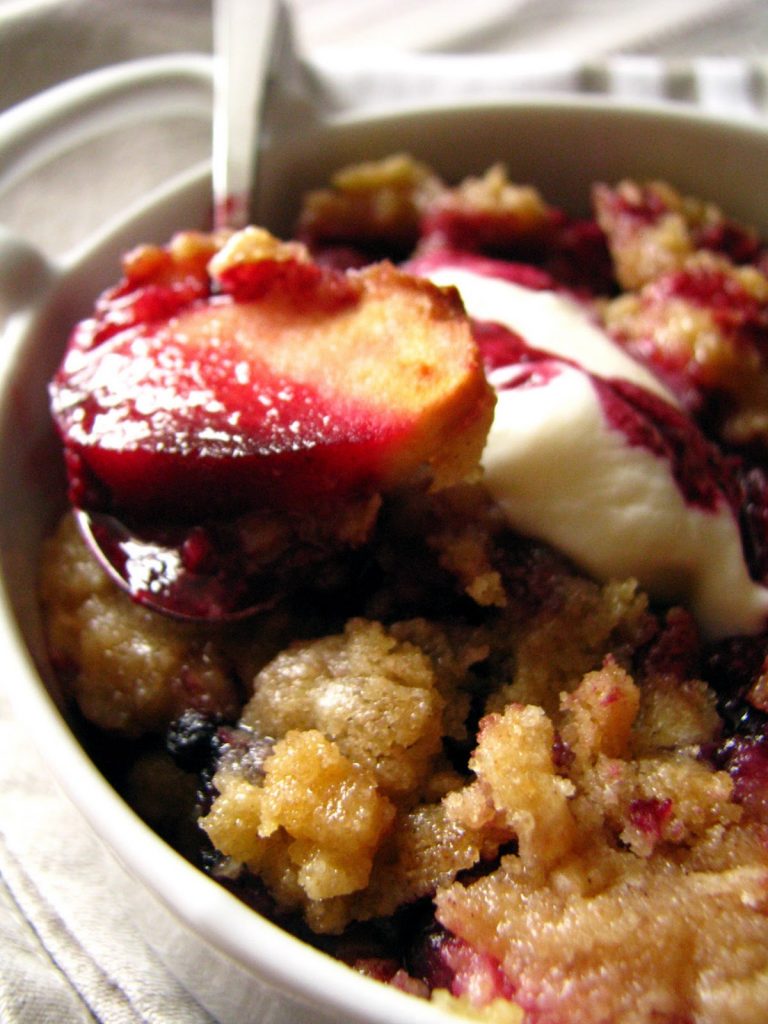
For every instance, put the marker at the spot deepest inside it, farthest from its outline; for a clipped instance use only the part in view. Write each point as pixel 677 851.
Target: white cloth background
pixel 69 950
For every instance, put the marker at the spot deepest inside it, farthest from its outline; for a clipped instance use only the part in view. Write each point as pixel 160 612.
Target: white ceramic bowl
pixel 226 954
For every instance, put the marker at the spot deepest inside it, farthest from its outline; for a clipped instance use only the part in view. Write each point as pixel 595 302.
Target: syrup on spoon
pixel 204 572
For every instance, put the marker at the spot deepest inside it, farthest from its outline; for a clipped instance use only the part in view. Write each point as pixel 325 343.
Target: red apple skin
pixel 272 384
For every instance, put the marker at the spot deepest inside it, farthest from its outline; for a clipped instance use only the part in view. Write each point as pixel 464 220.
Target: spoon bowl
pixel 189 573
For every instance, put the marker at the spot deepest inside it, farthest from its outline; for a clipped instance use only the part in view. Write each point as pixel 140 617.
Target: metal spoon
pixel 246 34
pixel 204 572
pixel 155 565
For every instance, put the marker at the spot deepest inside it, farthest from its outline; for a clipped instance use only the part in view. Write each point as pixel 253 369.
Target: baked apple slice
pixel 268 384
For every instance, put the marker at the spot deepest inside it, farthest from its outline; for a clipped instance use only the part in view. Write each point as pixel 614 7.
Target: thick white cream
pixel 550 322
pixel 564 475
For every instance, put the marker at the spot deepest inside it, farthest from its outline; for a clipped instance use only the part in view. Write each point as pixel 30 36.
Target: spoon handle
pixel 245 35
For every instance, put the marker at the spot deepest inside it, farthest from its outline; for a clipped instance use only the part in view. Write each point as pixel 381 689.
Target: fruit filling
pixel 259 382
pixel 493 726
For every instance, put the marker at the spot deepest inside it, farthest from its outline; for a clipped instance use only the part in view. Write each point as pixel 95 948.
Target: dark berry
pixel 754 520
pixel 650 816
pixel 731 668
pixel 426 958
pixel 675 650
pixel 745 758
pixel 191 741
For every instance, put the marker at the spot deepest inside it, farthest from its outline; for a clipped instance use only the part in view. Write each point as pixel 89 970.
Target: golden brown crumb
pixel 516 774
pixel 374 203
pixel 689 334
pixel 327 807
pixel 376 697
pixel 497 1011
pixel 185 257
pixel 581 622
pixel 658 941
pixel 501 212
pixel 643 247
pixel 252 245
pixel 666 892
pixel 132 671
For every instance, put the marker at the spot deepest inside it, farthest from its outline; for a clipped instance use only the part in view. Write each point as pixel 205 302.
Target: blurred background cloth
pixel 44 41
pixel 69 948
pixel 368 52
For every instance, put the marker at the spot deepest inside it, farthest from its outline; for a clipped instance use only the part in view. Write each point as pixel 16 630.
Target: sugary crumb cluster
pixel 587 829
pixel 695 302
pixel 129 669
pixel 453 761
pixel 396 204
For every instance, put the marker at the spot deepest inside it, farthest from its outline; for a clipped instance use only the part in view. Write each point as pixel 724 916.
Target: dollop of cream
pixel 563 474
pixel 548 321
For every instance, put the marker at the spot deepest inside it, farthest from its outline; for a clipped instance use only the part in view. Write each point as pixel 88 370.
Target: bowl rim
pixel 613 108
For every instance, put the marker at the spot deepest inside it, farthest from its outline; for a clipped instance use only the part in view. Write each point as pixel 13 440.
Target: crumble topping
pixel 451 759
